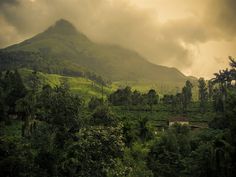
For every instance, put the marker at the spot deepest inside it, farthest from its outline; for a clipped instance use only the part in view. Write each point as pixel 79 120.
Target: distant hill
pixel 62 49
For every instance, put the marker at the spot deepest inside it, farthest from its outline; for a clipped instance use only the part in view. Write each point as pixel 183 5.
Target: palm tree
pixel 232 62
pixel 219 79
pixel 233 75
pixel 224 79
pixel 228 77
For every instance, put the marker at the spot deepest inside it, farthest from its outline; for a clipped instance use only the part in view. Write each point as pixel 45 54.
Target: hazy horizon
pixel 195 37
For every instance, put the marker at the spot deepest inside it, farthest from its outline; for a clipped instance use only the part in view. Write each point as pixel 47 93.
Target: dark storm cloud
pixel 105 21
pixel 8 2
pixel 222 14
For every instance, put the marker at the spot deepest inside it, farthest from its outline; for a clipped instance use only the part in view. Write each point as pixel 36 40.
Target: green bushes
pixel 64 136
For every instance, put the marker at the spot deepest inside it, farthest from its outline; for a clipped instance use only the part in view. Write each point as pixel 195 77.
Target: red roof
pixel 178 119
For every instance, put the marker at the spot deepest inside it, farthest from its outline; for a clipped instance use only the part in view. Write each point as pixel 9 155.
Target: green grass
pixel 78 85
pixel 88 88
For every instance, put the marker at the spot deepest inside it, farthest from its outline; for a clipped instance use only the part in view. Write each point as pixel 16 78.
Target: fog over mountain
pixel 194 36
pixel 62 49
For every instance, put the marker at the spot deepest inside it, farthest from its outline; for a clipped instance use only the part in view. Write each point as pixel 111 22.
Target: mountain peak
pixel 63 26
pixel 64 23
pixel 64 49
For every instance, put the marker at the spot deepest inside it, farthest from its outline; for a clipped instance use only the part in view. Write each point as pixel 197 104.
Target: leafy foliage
pixel 50 131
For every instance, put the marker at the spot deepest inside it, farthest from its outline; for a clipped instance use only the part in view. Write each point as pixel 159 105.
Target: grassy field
pixel 88 88
pixel 78 85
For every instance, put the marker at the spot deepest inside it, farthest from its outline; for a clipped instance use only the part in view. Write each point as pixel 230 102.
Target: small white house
pixel 178 120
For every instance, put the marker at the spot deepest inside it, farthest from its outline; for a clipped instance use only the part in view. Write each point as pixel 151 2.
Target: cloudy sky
pixel 196 36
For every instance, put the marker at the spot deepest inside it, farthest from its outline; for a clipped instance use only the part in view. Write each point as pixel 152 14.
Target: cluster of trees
pixel 11 90
pixel 213 91
pixel 180 101
pixel 128 97
pixel 62 135
pixel 216 90
pixel 224 81
pixel 225 77
pixel 57 139
pixel 206 154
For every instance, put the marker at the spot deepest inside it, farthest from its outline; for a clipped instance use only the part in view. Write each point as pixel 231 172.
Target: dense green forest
pixel 49 130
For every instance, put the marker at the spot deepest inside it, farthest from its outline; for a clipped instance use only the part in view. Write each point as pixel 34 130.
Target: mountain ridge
pixel 62 43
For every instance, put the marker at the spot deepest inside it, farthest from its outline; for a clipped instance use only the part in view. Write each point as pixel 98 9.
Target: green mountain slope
pixel 63 50
pixel 78 85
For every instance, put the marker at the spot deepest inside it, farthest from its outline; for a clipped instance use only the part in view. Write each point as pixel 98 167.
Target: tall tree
pixel 121 97
pixel 202 94
pixel 2 106
pixel 210 90
pixel 136 98
pixel 103 116
pixel 152 98
pixel 144 132
pixel 34 81
pixel 232 63
pixel 64 109
pixel 13 89
pixel 163 158
pixel 187 95
pixel 95 152
pixel 26 107
pixel 94 103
